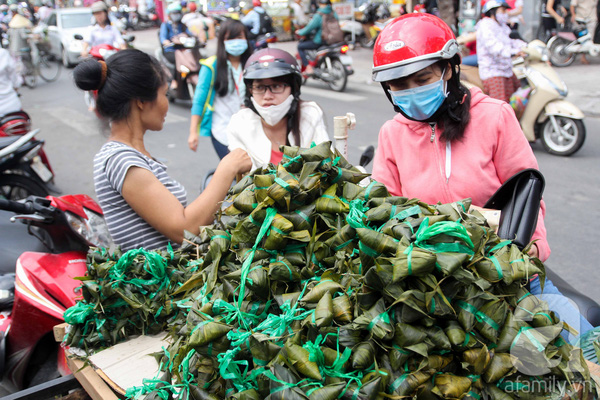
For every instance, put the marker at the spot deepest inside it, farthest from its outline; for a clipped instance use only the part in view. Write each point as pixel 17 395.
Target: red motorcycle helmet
pixel 410 43
pixel 256 3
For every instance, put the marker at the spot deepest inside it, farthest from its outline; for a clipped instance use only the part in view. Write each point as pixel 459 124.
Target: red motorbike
pixel 18 123
pixel 100 52
pixel 49 249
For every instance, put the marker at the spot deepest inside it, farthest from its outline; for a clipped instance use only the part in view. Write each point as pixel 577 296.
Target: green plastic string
pixel 414 210
pixel 527 332
pixel 304 216
pixel 271 212
pixel 480 316
pixel 396 384
pixel 381 317
pixel 449 228
pixel 283 184
pixel 368 190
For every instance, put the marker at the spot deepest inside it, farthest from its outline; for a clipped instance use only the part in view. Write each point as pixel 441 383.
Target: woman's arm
pixel 200 96
pixel 152 201
pixel 555 15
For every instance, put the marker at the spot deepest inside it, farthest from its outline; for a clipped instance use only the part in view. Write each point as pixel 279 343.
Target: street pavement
pixel 73 135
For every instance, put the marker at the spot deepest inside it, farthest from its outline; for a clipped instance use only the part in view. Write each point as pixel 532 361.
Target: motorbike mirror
pixel 78 36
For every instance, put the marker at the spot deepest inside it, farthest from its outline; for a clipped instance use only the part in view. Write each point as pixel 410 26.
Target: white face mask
pixel 273 114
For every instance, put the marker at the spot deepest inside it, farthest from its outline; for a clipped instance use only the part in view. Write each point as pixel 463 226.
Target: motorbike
pixel 565 46
pixel 44 248
pixel 19 123
pixel 331 65
pixel 375 17
pixel 190 50
pixel 143 20
pixel 22 172
pixel 263 41
pixel 547 115
pixel 100 52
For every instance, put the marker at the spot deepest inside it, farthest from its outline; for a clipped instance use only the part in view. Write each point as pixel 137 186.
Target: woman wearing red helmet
pixel 274 115
pixel 447 143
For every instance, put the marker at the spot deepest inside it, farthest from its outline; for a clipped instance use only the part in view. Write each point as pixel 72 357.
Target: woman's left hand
pixel 533 251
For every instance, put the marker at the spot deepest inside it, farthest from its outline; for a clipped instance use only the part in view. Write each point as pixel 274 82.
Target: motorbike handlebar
pixel 16 206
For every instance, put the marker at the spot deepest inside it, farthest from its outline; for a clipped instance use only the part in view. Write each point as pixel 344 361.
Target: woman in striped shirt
pixel 142 205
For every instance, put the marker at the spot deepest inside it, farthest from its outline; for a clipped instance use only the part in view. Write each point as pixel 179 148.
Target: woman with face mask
pixel 274 115
pixel 221 89
pixel 168 30
pixel 495 49
pixel 447 142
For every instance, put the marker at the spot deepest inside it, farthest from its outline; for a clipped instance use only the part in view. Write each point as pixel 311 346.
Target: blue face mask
pixel 422 102
pixel 236 47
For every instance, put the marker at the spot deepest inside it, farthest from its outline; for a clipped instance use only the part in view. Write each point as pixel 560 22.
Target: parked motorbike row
pixel 134 19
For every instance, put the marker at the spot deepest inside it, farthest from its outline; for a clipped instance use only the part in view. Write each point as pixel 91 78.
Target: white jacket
pixel 245 132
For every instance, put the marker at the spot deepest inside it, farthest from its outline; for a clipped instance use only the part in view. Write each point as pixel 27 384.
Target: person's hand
pixel 237 161
pixel 560 20
pixel 521 54
pixel 84 53
pixel 165 43
pixel 573 18
pixel 533 251
pixel 193 140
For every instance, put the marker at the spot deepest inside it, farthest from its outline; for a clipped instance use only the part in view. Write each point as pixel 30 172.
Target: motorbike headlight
pixel 93 229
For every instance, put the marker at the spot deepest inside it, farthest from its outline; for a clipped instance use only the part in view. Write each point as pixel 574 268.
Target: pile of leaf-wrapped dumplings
pixel 313 287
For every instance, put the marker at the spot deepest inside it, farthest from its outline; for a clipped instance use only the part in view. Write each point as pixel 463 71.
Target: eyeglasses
pixel 275 88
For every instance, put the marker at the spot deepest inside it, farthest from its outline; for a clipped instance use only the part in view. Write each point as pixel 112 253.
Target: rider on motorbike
pixel 168 30
pixel 314 28
pixel 102 32
pixel 495 49
pixel 448 142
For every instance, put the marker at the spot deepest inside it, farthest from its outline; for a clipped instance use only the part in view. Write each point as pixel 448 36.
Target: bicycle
pixel 37 61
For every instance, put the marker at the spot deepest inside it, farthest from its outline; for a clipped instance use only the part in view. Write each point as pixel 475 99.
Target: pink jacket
pixel 412 161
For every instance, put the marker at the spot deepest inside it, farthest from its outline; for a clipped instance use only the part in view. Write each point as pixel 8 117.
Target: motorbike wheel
pixel 567 141
pixel 49 69
pixel 559 57
pixel 65 59
pixel 17 187
pixel 338 71
pixel 366 42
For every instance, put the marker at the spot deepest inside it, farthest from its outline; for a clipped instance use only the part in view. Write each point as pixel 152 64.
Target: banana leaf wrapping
pixel 310 286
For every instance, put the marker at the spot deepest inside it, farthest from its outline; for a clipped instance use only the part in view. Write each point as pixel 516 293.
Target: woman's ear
pixel 139 104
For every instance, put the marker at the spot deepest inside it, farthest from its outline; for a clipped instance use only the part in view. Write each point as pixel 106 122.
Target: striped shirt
pixel 126 227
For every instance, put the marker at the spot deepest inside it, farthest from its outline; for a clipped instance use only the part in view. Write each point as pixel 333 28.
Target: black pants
pixel 306 45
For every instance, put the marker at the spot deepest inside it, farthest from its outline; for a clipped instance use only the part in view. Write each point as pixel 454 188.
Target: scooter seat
pixel 7 141
pixel 587 307
pixel 332 46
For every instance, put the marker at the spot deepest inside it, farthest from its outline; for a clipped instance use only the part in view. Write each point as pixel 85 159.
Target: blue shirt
pixel 252 19
pixel 168 29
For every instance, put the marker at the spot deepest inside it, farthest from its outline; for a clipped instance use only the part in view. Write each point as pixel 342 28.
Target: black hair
pixel 230 28
pixel 130 75
pixel 455 113
pixel 492 12
pixel 293 115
